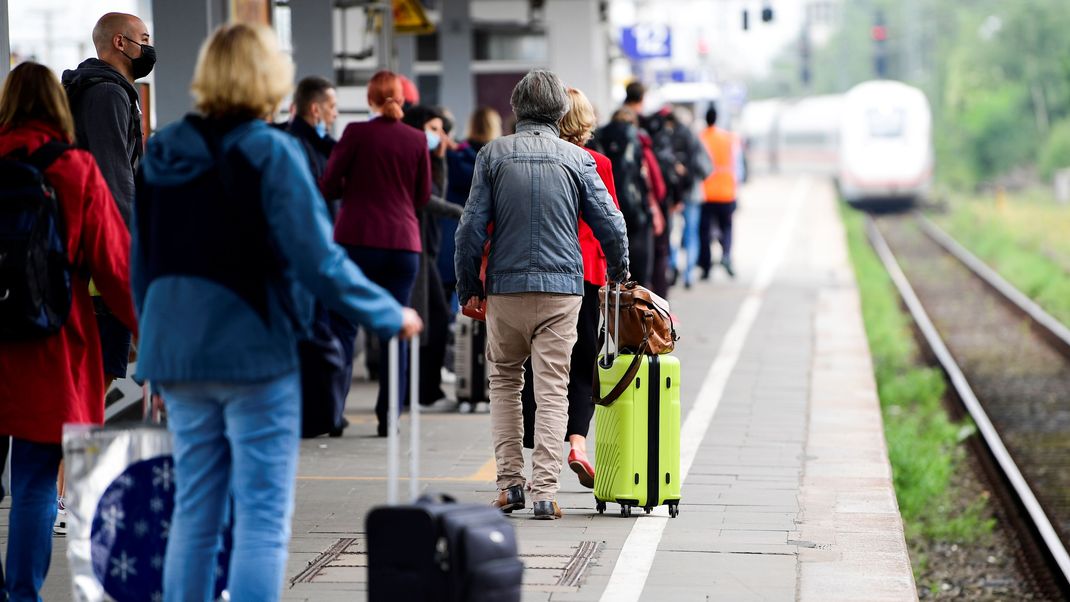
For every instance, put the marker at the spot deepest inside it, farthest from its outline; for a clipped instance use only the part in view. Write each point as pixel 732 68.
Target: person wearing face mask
pixel 315 109
pixel 107 123
pixel 428 296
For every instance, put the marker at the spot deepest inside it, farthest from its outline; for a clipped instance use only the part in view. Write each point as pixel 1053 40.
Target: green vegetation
pixel 1025 241
pixel 924 445
pixel 997 74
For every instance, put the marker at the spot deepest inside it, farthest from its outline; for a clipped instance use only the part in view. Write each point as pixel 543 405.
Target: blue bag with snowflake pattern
pixel 120 497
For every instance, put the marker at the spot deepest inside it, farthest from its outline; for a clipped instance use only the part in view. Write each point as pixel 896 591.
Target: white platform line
pixel 637 556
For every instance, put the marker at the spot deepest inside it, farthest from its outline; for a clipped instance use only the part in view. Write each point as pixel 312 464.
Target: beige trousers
pixel 542 326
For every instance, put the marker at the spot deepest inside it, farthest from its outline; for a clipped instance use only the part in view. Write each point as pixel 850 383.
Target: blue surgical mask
pixel 321 128
pixel 433 140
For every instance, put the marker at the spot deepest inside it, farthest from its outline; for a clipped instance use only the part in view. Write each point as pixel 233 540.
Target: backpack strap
pixel 46 154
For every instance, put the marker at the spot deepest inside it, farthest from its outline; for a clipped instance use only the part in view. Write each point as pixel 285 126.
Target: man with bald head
pixel 107 123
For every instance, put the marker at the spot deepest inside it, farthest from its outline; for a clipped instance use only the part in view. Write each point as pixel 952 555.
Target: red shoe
pixel 577 461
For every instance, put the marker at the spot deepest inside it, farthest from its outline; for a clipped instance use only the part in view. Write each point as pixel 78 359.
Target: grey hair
pixel 541 97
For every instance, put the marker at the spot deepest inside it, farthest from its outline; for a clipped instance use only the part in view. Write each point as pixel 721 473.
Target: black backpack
pixel 620 142
pixel 35 274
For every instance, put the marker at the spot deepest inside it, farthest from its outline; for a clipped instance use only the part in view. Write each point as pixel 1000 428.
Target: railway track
pixel 1008 363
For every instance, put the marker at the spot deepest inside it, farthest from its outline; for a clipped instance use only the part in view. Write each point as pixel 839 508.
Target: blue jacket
pixel 223 280
pixel 534 186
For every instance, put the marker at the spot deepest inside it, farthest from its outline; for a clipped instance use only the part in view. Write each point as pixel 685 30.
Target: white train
pixel 875 140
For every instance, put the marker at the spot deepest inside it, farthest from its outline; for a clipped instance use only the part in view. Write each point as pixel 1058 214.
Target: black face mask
pixel 143 64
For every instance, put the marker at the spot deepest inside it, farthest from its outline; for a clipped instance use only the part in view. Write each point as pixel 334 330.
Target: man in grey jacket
pixel 533 186
pixel 107 123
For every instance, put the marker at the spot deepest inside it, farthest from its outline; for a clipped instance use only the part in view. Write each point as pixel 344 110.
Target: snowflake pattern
pixel 162 476
pixel 123 566
pixel 113 516
pixel 129 531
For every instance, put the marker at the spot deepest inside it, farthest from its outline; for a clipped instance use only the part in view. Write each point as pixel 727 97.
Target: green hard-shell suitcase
pixel 637 436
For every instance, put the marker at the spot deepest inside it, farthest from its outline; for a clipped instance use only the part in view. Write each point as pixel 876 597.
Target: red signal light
pixel 879 33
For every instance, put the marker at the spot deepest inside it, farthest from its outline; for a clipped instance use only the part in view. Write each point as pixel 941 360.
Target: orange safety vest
pixel 720 186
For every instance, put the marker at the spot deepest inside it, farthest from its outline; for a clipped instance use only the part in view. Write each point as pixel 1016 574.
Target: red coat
pixel 594 260
pixel 47 382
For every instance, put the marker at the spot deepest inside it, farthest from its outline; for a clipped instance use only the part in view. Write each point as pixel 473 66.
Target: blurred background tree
pixel 997 75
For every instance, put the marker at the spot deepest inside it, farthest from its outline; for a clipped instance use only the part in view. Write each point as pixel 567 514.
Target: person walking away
pixel 534 187
pixel 381 169
pixel 57 378
pixel 693 167
pixel 577 127
pixel 719 190
pixel 231 238
pixel 428 298
pixel 619 140
pixel 107 122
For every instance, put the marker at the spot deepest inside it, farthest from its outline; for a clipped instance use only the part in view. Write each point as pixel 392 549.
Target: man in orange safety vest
pixel 719 190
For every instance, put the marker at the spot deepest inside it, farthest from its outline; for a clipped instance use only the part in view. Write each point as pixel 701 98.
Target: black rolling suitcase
pixel 434 548
pixel 470 360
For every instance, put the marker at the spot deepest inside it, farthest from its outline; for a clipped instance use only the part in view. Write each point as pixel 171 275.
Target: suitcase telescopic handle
pixel 607 358
pixel 393 409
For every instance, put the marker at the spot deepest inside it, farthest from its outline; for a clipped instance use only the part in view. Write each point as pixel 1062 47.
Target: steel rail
pixel 991 437
pixel 1051 327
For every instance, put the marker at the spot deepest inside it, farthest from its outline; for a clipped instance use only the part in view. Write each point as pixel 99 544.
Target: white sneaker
pixel 60 526
pixel 448 377
pixel 465 407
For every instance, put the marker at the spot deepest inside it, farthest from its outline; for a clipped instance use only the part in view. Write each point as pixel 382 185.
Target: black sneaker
pixel 509 499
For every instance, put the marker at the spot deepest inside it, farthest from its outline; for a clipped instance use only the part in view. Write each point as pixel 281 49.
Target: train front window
pixel 886 122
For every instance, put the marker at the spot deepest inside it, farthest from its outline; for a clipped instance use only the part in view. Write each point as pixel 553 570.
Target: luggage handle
pixel 606 360
pixel 393 409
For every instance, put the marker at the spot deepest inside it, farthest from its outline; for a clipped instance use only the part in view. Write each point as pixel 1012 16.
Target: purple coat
pixel 382 172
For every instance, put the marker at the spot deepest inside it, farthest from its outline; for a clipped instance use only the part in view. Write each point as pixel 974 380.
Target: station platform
pixel 787 491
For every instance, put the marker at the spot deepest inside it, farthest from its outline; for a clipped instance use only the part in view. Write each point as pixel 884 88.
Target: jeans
pixel 396 272
pixel 232 441
pixel 690 239
pixel 34 467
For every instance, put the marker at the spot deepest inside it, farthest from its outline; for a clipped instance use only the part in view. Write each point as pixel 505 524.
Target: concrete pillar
pixel 181 28
pixel 311 26
pixel 455 49
pixel 406 55
pixel 5 40
pixel 577 50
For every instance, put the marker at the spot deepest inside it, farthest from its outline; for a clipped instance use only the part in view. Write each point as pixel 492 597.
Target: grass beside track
pixel 924 446
pixel 1026 241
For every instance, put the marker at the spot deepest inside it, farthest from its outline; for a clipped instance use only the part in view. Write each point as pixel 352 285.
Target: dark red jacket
pixel 47 382
pixel 594 260
pixel 382 172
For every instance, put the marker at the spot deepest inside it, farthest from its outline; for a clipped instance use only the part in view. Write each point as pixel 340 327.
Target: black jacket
pixel 318 149
pixel 107 123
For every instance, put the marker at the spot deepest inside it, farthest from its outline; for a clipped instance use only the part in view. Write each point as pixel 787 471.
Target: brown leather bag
pixel 641 325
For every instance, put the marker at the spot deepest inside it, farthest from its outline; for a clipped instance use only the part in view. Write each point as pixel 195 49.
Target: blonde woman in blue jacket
pixel 231 243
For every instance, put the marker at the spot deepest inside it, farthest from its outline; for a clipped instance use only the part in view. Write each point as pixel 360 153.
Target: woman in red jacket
pixel 382 172
pixel 46 382
pixel 577 127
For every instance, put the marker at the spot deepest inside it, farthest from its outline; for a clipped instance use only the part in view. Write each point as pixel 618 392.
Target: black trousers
pixel 580 374
pixel 659 279
pixel 436 334
pixel 641 254
pixel 717 215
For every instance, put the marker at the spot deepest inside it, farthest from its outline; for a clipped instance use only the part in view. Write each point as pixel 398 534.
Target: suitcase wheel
pixel 625 510
pixel 600 506
pixel 674 510
pixel 647 509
